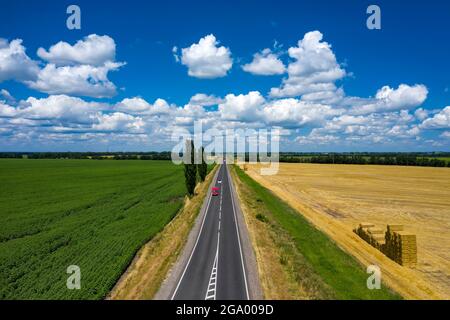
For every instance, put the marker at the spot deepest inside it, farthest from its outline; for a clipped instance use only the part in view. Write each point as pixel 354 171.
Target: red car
pixel 215 191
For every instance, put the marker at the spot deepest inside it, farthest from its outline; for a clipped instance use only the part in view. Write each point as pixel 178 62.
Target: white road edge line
pixel 195 246
pixel 215 273
pixel 237 232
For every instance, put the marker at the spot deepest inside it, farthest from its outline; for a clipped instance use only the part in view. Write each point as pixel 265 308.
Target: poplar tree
pixel 190 168
pixel 202 167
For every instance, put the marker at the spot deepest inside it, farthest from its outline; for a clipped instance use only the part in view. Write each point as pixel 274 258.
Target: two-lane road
pixel 215 269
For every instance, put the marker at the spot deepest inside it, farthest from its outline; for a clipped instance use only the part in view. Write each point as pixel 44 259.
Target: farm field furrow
pixel 93 214
pixel 336 198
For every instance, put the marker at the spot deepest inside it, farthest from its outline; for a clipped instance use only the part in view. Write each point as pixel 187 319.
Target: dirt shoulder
pixel 152 263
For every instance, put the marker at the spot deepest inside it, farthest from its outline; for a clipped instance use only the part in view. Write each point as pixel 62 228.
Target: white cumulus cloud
pixel 205 100
pixel 314 68
pixel 421 114
pixel 440 120
pixel 390 99
pixel 206 59
pixel 14 62
pixel 8 97
pixel 292 112
pixel 119 121
pixel 7 111
pixel 61 108
pixel 80 70
pixel 139 106
pixel 265 63
pixel 403 97
pixel 92 50
pixel 79 80
pixel 243 107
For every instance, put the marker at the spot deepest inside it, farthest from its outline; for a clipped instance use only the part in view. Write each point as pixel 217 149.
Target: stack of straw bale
pixel 362 230
pixel 391 248
pixel 395 243
pixel 405 248
pixel 376 236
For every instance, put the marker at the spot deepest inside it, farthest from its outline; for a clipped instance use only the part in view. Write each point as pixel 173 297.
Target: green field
pixel 93 214
pixel 319 262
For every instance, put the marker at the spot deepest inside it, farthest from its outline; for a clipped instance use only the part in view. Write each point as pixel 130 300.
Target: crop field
pixel 336 198
pixel 92 214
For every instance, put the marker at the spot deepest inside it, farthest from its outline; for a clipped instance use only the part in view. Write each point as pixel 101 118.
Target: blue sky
pixel 409 55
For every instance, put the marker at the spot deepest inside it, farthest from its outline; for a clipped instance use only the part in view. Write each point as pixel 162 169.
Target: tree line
pixel 392 159
pixel 165 155
pixel 425 159
pixel 196 168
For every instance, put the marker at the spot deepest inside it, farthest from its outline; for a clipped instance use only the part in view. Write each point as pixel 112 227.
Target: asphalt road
pixel 215 269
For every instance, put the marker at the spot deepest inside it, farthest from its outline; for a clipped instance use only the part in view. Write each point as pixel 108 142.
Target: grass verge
pixel 295 260
pixel 149 268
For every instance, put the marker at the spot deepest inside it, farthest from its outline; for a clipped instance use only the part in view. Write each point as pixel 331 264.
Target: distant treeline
pixel 393 159
pixel 165 155
pixel 425 159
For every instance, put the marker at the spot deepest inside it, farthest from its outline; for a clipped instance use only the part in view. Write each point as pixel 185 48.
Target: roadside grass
pixel 93 214
pixel 311 259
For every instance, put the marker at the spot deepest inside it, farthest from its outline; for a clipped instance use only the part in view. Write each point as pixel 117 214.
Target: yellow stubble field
pixel 335 198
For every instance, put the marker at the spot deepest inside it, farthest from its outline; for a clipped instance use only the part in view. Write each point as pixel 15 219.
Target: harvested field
pixel 295 260
pixel 336 198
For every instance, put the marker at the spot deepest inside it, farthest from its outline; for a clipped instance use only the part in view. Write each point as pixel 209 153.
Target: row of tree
pixel 196 168
pixel 395 160
pixel 165 155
